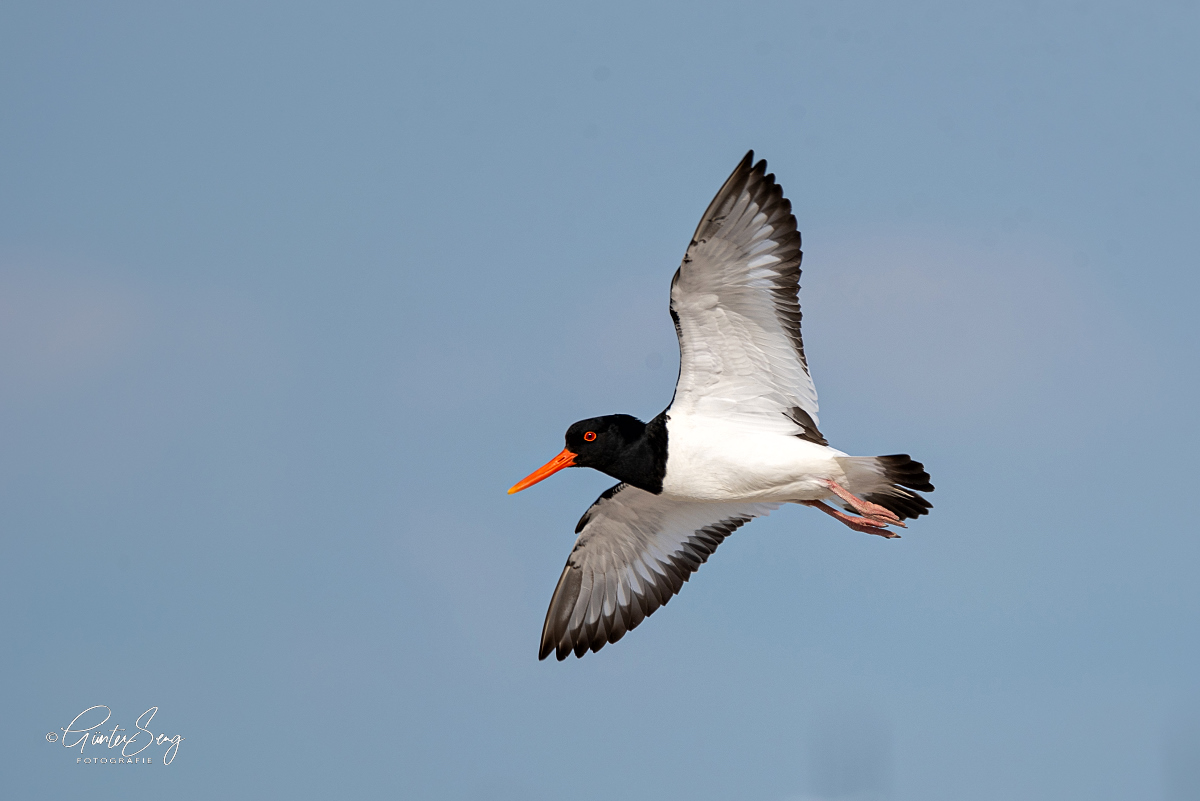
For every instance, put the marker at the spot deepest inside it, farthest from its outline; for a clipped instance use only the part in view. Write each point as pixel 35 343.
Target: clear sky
pixel 290 294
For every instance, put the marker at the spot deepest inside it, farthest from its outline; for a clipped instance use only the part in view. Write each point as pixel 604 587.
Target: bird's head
pixel 599 443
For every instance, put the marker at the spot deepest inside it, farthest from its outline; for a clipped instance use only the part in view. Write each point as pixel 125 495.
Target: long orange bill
pixel 564 459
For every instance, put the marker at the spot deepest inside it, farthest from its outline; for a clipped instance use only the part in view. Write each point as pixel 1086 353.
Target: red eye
pixel 590 436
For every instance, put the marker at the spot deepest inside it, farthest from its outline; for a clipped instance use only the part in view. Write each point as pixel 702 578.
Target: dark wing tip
pixel 558 615
pixel 569 628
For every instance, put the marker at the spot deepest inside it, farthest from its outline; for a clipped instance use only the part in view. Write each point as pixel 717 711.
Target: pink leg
pixel 862 524
pixel 865 508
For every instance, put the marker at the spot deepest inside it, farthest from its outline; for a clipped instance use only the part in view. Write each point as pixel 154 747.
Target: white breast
pixel 713 459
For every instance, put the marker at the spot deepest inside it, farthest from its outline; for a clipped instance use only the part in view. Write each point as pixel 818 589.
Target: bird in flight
pixel 738 440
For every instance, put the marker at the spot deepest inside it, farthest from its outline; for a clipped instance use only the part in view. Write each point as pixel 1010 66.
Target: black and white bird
pixel 739 439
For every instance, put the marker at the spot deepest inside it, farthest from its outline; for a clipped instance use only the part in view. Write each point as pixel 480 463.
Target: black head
pixel 617 444
pixel 603 443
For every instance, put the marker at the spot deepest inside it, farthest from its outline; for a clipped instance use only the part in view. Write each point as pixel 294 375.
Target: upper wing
pixel 737 312
pixel 634 551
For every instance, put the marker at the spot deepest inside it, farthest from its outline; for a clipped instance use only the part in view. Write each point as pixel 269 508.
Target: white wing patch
pixel 737 313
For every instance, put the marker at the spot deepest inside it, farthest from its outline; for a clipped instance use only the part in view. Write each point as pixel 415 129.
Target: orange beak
pixel 564 459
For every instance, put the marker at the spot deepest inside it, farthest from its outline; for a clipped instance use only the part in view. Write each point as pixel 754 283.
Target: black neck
pixel 644 461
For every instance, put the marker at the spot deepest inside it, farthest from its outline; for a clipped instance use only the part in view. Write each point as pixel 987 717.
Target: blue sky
pixel 290 294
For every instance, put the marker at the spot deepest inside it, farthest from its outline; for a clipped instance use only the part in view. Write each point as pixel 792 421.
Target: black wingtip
pixel 749 166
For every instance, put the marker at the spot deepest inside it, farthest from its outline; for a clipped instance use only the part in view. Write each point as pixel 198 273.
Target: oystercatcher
pixel 739 439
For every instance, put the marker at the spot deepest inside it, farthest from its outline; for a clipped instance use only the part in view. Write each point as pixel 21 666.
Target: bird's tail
pixel 883 479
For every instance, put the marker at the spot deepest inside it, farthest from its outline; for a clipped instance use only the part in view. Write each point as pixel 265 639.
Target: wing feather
pixel 634 552
pixel 735 303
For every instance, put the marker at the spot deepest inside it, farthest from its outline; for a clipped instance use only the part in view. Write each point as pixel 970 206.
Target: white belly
pixel 713 460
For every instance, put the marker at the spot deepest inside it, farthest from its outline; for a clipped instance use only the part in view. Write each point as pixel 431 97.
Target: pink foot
pixel 863 524
pixel 867 509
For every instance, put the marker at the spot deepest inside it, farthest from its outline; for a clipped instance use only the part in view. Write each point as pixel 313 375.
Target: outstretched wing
pixel 735 302
pixel 634 551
